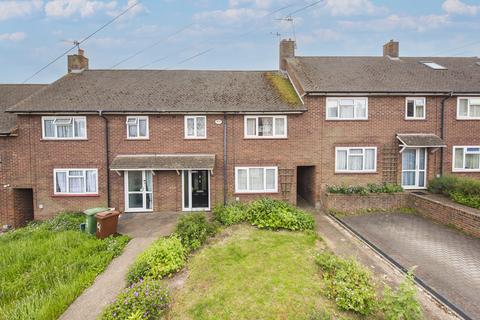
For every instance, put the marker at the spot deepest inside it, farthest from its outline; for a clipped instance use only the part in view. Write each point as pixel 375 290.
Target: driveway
pixel 446 259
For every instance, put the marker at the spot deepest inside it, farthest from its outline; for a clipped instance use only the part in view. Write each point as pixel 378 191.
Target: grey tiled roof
pixel 385 75
pixel 159 91
pixel 420 140
pixel 164 161
pixel 9 95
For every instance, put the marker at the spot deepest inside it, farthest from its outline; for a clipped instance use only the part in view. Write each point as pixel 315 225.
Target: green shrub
pixel 364 190
pixel 348 283
pixel 146 299
pixel 465 191
pixel 443 184
pixel 163 258
pixel 194 229
pixel 230 214
pixel 274 214
pixel 401 304
pixel 467 200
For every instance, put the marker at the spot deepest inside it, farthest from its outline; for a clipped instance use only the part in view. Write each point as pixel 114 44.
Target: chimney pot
pixel 287 50
pixel 391 49
pixel 77 62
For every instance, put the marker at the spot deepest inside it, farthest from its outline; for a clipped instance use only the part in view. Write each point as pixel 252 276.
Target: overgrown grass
pixel 45 266
pixel 247 273
pixel 284 88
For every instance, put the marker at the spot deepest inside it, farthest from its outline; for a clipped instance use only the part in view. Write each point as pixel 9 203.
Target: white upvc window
pixel 256 179
pixel 195 127
pixel 356 159
pixel 347 108
pixel 468 108
pixel 466 159
pixel 137 127
pixel 415 108
pixel 75 181
pixel 64 127
pixel 265 127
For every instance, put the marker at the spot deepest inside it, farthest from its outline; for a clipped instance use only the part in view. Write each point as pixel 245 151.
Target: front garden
pixel 464 191
pixel 45 266
pixel 257 261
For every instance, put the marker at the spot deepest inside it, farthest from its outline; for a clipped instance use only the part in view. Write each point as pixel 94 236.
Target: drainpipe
pixel 442 128
pixel 225 159
pixel 107 156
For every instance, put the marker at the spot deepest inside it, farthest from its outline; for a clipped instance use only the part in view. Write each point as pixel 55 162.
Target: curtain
pixel 149 180
pixel 49 128
pixel 142 124
pixel 256 179
pixel 251 127
pixel 242 179
pixel 200 127
pixel 369 159
pixel 132 130
pixel 360 109
pixel 190 127
pixel 408 159
pixel 332 108
pixel 76 184
pixel 79 126
pixel 408 178
pixel 91 183
pixel 355 162
pixel 347 109
pixel 279 126
pixel 463 109
pixel 458 158
pixel 419 111
pixel 265 126
pixel 472 161
pixel 64 131
pixel 475 110
pixel 341 159
pixel 270 179
pixel 61 179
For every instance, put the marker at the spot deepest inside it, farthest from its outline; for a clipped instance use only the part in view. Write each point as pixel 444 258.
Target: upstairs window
pixel 76 181
pixel 415 109
pixel 64 128
pixel 347 108
pixel 355 159
pixel 137 127
pixel 466 158
pixel 265 127
pixel 195 127
pixel 468 108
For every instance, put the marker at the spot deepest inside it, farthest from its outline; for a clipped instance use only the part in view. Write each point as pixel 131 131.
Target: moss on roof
pixel 284 88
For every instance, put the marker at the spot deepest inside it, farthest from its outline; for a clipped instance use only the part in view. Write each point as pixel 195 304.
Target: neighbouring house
pixel 153 140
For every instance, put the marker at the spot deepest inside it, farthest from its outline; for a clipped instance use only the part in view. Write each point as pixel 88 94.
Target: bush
pixel 401 304
pixel 364 190
pixel 465 191
pixel 194 229
pixel 274 214
pixel 469 201
pixel 230 214
pixel 163 258
pixel 146 299
pixel 348 283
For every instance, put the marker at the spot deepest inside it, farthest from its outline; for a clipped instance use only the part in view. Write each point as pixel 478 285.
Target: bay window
pixel 256 179
pixel 75 181
pixel 356 159
pixel 468 108
pixel 347 109
pixel 466 158
pixel 64 128
pixel 265 127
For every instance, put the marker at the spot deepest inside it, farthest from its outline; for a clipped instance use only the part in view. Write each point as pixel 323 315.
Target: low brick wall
pixel 352 203
pixel 444 211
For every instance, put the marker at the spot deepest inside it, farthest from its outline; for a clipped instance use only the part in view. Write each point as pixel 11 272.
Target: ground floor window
pixel 75 181
pixel 355 159
pixel 466 158
pixel 256 179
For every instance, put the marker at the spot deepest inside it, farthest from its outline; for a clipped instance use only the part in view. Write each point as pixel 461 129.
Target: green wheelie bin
pixel 91 225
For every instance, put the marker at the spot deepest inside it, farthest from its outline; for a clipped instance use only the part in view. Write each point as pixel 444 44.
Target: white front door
pixel 414 168
pixel 138 191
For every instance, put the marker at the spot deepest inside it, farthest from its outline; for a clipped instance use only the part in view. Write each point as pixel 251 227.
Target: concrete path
pixel 446 259
pixel 344 244
pixel 144 228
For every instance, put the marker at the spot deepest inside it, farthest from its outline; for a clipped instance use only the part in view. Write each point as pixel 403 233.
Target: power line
pixel 456 48
pixel 77 44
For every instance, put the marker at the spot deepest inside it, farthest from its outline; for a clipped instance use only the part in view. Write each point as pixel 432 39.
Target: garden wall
pixel 352 203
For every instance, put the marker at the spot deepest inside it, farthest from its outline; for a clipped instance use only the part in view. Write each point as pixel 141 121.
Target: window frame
pixel 256 136
pixel 44 118
pixel 463 162
pixel 374 170
pixel 327 117
pixel 467 117
pixel 68 193
pixel 265 190
pixel 414 106
pixel 195 136
pixel 138 118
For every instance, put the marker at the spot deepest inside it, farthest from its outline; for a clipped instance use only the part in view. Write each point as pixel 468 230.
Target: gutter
pixel 67 112
pixel 386 93
pixel 442 129
pixel 107 156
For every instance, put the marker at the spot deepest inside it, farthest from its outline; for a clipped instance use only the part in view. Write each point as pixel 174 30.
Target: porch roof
pixel 163 162
pixel 425 140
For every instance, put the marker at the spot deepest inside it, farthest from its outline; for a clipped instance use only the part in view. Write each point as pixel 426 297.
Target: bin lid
pixel 105 214
pixel 93 211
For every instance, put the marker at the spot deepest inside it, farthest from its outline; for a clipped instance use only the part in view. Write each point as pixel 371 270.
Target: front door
pixel 138 191
pixel 414 168
pixel 196 190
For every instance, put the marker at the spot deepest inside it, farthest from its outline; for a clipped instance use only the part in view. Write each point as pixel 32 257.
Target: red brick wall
pixel 352 203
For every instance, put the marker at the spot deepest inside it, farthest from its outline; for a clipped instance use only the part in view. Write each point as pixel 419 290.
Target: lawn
pixel 247 273
pixel 44 267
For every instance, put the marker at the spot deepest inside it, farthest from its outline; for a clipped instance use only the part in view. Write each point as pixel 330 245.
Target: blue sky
pixel 232 34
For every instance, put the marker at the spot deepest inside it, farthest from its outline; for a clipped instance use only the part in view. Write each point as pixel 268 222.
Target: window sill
pixel 466 170
pixel 74 195
pixel 461 119
pixel 254 193
pixel 355 172
pixel 415 119
pixel 137 139
pixel 265 138
pixel 81 139
pixel 193 138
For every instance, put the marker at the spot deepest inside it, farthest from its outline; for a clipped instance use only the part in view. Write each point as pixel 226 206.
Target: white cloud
pixel 351 8
pixel 256 3
pixel 15 9
pixel 324 35
pixel 232 15
pixel 67 8
pixel 14 37
pixel 392 22
pixel 135 10
pixel 458 7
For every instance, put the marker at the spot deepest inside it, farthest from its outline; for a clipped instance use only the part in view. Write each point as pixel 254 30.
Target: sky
pixel 227 34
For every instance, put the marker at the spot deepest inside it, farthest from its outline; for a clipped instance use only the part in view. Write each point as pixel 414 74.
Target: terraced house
pixel 150 140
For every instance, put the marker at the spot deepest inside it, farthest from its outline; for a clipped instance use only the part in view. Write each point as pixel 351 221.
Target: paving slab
pixel 144 228
pixel 446 259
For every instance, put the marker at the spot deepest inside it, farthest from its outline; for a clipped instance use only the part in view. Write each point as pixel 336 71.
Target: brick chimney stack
pixel 391 49
pixel 77 62
pixel 287 50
